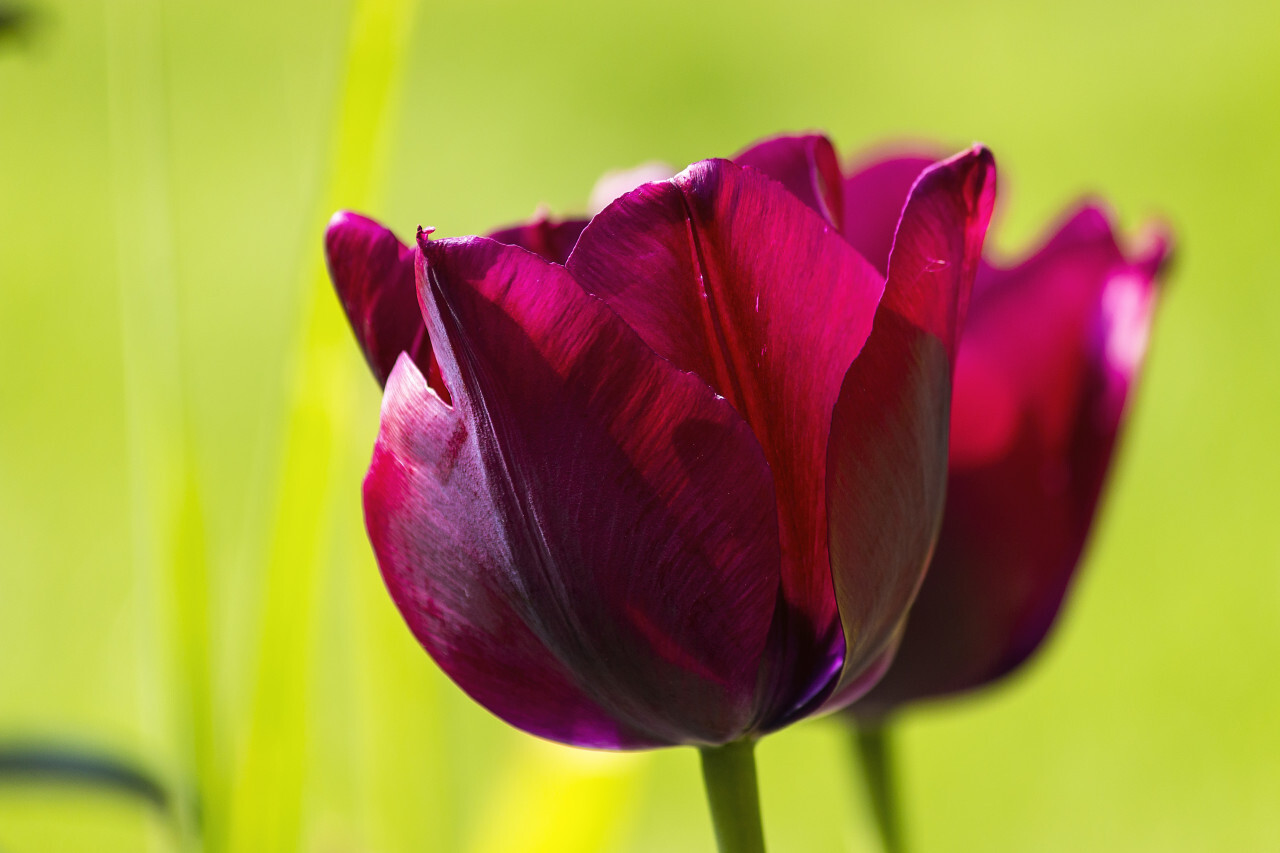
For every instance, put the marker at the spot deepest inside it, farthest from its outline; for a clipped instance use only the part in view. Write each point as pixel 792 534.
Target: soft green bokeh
pixel 184 423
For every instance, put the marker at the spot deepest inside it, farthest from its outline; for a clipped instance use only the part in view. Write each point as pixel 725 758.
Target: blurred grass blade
pixel 158 466
pixel 268 811
pixel 26 764
pixel 191 629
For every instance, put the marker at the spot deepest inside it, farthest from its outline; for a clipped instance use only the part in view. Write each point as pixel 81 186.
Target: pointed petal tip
pixel 938 242
pixel 977 166
pixel 1155 249
pixel 346 223
pixel 980 150
pixel 424 235
pixel 980 160
pixel 345 217
pixel 977 160
pixel 339 220
pixel 405 377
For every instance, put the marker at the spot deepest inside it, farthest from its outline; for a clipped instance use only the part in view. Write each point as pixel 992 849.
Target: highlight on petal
pixel 887 457
pixel 372 272
pixel 807 166
pixel 586 541
pixel 1044 370
pixel 728 275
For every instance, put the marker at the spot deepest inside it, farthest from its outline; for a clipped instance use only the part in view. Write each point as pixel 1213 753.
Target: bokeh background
pixel 184 420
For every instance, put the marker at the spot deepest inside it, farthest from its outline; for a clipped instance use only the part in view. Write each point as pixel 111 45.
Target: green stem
pixel 875 752
pixel 729 773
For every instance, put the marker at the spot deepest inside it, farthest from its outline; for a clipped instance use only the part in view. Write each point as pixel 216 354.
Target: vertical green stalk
pixel 874 746
pixel 167 556
pixel 268 791
pixel 729 773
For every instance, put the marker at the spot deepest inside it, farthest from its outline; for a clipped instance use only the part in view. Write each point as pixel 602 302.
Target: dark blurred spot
pixel 42 763
pixel 18 24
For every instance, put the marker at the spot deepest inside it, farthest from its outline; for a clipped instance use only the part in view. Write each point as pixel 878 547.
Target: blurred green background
pixel 184 420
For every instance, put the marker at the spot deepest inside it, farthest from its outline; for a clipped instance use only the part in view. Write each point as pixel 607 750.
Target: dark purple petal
pixel 873 199
pixel 586 541
pixel 806 165
pixel 727 275
pixel 543 236
pixel 373 274
pixel 887 458
pixel 1048 355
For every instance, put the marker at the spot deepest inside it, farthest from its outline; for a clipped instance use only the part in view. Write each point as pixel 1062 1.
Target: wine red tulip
pixel 1051 349
pixel 671 475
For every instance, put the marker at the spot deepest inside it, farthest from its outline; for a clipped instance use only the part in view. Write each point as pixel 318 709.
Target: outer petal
pixel 586 542
pixel 806 165
pixel 726 274
pixel 543 236
pixel 887 459
pixel 373 274
pixel 873 198
pixel 1050 351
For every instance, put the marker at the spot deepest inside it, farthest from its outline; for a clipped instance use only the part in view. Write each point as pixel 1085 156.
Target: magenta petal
pixel 373 274
pixel 873 199
pixel 887 458
pixel 726 274
pixel 1047 359
pixel 586 542
pixel 1036 315
pixel 543 236
pixel 806 165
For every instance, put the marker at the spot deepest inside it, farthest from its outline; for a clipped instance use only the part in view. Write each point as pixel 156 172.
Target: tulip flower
pixel 1050 352
pixel 673 475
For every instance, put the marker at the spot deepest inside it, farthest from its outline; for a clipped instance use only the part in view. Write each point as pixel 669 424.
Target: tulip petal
pixel 724 273
pixel 586 541
pixel 873 200
pixel 543 236
pixel 938 244
pixel 887 458
pixel 806 165
pixel 373 274
pixel 1048 357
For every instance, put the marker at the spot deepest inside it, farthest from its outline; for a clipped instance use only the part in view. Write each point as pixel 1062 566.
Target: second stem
pixel 875 754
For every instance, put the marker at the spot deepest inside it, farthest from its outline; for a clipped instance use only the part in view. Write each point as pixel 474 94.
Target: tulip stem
pixel 729 772
pixel 875 753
